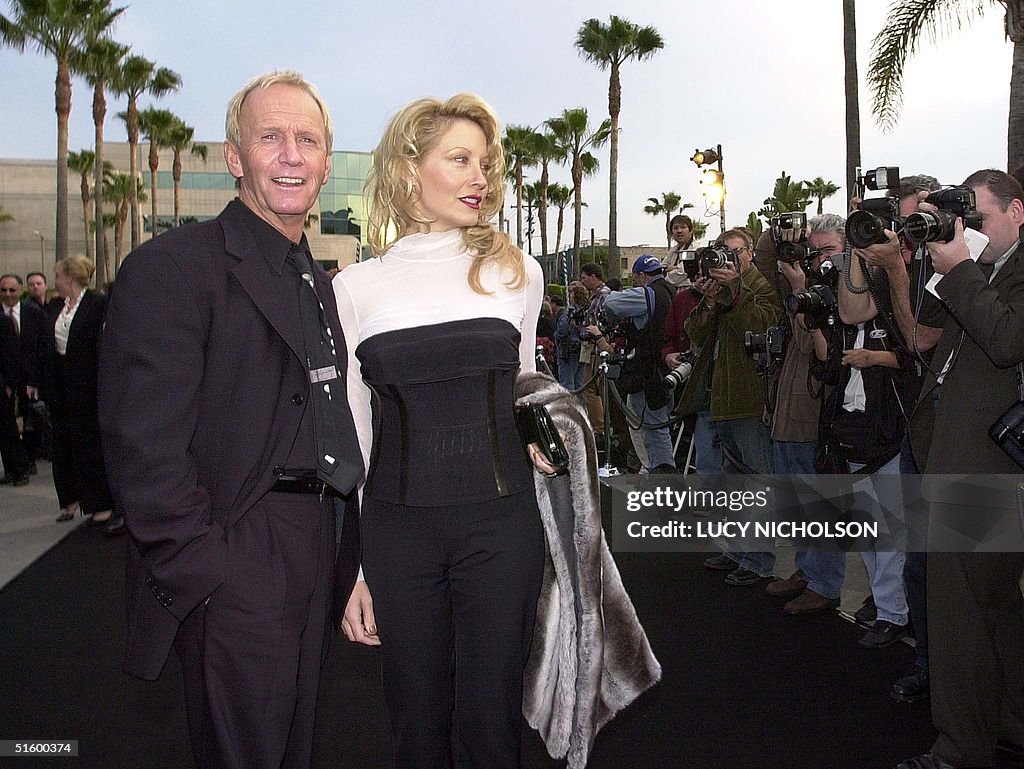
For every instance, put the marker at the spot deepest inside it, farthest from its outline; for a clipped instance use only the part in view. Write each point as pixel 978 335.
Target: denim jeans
pixel 657 440
pixel 570 373
pixel 709 454
pixel 824 570
pixel 885 570
pixel 750 442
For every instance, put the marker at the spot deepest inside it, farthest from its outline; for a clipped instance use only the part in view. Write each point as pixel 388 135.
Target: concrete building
pixel 28 192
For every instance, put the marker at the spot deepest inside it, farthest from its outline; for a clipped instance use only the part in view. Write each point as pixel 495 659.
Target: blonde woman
pixel 438 326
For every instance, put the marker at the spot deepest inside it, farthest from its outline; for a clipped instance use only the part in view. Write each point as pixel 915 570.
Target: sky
pixel 764 80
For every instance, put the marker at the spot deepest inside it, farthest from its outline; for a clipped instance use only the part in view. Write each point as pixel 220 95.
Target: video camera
pixel 716 257
pixel 767 349
pixel 866 226
pixel 940 226
pixel 818 304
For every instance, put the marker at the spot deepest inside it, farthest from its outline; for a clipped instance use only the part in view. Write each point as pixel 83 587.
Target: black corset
pixel 443 424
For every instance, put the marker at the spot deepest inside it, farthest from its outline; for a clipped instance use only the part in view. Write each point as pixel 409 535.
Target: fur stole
pixel 590 657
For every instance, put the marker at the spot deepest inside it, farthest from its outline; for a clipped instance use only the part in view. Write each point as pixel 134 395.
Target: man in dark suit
pixel 208 431
pixel 975 608
pixel 31 327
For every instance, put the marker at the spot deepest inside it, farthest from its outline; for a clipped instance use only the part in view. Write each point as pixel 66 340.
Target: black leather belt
pixel 304 485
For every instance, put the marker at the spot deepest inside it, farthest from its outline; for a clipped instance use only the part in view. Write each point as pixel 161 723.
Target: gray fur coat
pixel 590 656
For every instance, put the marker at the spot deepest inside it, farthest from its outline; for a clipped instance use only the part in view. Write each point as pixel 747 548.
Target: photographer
pixel 816 584
pixel 680 228
pixel 724 385
pixel 975 596
pixel 646 305
pixel 592 278
pixel 567 338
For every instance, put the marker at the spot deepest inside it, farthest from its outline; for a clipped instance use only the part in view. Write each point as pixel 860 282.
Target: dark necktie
pixel 326 393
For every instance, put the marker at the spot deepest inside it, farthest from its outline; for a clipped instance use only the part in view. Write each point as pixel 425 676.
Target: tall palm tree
pixel 531 197
pixel 83 163
pixel 820 189
pixel 156 125
pixel 180 139
pixel 546 150
pixel 573 132
pixel 911 20
pixel 99 62
pixel 670 203
pixel 852 92
pixel 609 47
pixel 137 76
pixel 787 196
pixel 58 28
pixel 559 196
pixel 118 192
pixel 518 145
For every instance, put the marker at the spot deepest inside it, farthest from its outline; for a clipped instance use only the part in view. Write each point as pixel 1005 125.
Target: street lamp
pixel 42 252
pixel 713 180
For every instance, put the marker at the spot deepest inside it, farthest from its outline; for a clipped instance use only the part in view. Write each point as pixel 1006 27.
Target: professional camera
pixel 682 372
pixel 769 348
pixel 688 261
pixel 716 257
pixel 577 315
pixel 940 226
pixel 817 303
pixel 1008 432
pixel 791 251
pixel 866 226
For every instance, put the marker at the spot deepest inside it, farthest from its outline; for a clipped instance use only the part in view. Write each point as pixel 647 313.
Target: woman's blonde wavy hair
pixel 391 186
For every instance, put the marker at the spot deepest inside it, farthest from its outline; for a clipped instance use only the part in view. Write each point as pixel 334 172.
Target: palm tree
pixel 179 140
pixel 136 77
pixel 99 62
pixel 546 150
pixel 118 192
pixel 609 47
pixel 531 196
pixel 787 196
pixel 58 28
pixel 83 163
pixel 700 229
pixel 911 20
pixel 573 132
pixel 156 125
pixel 5 216
pixel 755 225
pixel 559 196
pixel 852 92
pixel 518 145
pixel 820 189
pixel 670 203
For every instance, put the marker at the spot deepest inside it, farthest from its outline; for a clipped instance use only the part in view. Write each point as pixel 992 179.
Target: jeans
pixel 658 440
pixel 824 570
pixel 709 454
pixel 570 373
pixel 885 570
pixel 750 442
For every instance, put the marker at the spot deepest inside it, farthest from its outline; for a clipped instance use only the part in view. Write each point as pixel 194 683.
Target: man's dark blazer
pixel 36 330
pixel 983 382
pixel 201 390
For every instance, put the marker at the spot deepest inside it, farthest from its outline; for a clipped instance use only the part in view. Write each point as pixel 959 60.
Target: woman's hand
pixel 540 462
pixel 358 623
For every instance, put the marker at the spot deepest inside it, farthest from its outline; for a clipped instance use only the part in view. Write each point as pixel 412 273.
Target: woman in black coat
pixel 78 471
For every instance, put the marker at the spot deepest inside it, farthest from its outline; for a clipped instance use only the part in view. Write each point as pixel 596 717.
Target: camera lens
pixel 864 229
pixel 930 227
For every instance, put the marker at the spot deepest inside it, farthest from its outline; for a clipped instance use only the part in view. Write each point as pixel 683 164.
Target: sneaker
pixel 882 634
pixel 793 585
pixel 912 686
pixel 867 613
pixel 741 576
pixel 810 602
pixel 927 761
pixel 720 562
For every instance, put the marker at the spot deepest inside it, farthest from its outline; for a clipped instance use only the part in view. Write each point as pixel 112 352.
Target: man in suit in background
pixel 208 430
pixel 975 608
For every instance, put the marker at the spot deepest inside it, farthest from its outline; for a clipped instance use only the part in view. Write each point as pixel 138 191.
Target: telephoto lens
pixel 930 227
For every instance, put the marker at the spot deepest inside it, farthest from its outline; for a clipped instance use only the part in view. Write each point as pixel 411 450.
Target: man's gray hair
pixel 829 223
pixel 911 185
pixel 287 77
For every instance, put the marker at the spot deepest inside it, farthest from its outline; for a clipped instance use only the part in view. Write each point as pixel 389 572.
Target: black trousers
pixel 12 451
pixel 251 655
pixel 455 598
pixel 976 653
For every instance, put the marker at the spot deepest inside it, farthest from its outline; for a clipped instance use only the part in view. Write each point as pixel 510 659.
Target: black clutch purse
pixel 536 426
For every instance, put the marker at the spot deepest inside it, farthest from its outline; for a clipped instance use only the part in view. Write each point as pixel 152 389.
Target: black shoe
pixel 720 562
pixel 867 613
pixel 912 686
pixel 21 479
pixel 7 480
pixel 116 526
pixel 32 469
pixel 882 634
pixel 927 761
pixel 741 576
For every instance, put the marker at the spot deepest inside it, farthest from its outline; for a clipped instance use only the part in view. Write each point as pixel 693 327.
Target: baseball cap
pixel 646 263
